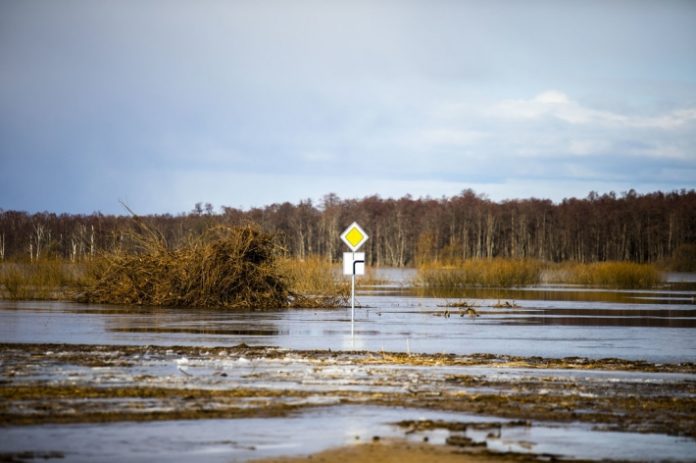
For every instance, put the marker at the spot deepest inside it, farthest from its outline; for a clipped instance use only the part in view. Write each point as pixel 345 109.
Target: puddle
pixel 317 429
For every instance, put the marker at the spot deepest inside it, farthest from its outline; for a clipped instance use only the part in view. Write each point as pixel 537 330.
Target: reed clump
pixel 222 268
pixel 624 275
pixel 482 273
pixel 510 273
pixel 41 280
pixel 315 282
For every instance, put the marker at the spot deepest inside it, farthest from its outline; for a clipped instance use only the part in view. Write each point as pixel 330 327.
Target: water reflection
pixel 199 330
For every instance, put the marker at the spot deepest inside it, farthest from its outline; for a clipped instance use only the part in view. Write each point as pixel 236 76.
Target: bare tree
pixel 39 233
pixel 628 226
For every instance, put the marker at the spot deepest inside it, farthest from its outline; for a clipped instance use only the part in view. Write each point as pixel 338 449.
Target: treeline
pixel 641 228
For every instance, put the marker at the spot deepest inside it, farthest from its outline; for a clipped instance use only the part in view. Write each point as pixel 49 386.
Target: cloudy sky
pixel 162 104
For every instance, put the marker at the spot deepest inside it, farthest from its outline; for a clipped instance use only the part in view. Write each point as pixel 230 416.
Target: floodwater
pixel 657 326
pixel 545 321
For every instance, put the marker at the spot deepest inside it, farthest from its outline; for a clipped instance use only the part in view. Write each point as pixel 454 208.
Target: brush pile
pixel 233 268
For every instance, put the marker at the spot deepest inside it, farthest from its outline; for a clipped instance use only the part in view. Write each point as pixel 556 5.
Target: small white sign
pixel 354 260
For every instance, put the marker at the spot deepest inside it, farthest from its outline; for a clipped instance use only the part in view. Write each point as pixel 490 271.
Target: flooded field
pixel 647 325
pixel 560 372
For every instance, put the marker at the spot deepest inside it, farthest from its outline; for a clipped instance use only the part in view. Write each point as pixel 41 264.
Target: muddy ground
pixel 398 451
pixel 62 383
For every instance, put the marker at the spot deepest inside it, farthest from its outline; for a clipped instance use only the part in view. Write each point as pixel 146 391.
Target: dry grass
pixel 509 273
pixel 485 273
pixel 45 279
pixel 315 282
pixel 625 275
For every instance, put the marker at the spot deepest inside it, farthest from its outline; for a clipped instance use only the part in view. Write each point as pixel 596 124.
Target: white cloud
pixel 558 105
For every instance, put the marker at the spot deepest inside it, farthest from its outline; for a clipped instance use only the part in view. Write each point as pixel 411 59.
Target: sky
pixel 163 104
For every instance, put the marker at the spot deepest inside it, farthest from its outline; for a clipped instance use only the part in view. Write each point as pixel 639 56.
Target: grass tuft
pixel 484 273
pixel 505 273
pixel 624 275
pixel 45 279
pixel 315 282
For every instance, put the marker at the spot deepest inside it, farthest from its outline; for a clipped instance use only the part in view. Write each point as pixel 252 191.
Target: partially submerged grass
pixel 371 277
pixel 486 273
pixel 502 273
pixel 625 275
pixel 315 282
pixel 44 279
pixel 242 268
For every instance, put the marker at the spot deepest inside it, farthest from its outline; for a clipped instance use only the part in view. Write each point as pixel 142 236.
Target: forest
pixel 644 228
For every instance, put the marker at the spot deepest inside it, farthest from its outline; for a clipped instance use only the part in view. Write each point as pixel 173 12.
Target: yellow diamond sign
pixel 354 236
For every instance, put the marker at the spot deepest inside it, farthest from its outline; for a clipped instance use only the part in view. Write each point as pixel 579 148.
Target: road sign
pixel 354 263
pixel 354 236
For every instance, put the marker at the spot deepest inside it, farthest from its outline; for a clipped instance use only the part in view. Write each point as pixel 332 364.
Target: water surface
pixel 646 325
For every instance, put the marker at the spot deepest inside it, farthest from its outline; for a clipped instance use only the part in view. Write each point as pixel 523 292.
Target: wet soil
pixel 398 451
pixel 61 383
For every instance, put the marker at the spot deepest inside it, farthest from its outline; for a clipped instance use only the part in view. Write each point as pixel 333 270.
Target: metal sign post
pixel 352 300
pixel 353 263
